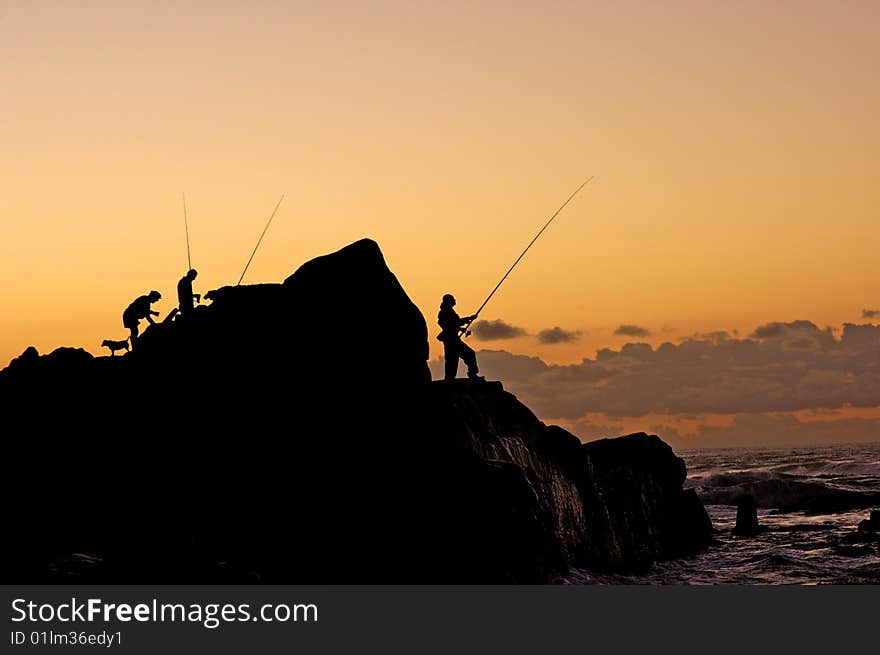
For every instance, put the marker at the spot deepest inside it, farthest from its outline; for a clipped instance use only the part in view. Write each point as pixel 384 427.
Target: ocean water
pixel 809 500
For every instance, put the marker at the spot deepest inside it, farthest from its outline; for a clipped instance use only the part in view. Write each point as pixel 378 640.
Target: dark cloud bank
pixel 557 335
pixel 780 367
pixel 628 330
pixel 496 330
pixel 745 430
pixel 499 329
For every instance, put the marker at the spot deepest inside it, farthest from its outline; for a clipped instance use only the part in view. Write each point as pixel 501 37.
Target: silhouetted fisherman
pixel 185 295
pixel 453 347
pixel 138 310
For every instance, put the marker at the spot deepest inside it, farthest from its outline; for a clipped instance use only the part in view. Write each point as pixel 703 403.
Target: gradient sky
pixel 736 150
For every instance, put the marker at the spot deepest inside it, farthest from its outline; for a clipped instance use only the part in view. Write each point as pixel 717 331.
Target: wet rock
pixel 635 507
pixel 746 516
pixel 865 533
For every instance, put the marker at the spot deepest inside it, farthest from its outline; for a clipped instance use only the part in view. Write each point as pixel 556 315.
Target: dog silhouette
pixel 115 345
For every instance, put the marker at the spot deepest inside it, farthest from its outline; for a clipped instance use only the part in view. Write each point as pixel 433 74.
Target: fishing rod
pixel 464 329
pixel 186 227
pixel 259 240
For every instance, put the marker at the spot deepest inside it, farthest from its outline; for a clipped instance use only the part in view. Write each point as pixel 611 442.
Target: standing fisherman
pixel 453 347
pixel 185 295
pixel 137 310
pixel 453 325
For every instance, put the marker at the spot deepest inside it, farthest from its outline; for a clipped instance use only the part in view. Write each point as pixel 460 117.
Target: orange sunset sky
pixel 736 151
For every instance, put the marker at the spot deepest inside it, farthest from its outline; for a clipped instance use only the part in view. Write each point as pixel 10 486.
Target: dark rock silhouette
pixel 858 543
pixel 746 516
pixel 867 531
pixel 318 451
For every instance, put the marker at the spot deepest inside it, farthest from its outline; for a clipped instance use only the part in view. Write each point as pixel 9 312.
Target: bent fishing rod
pixel 259 241
pixel 465 328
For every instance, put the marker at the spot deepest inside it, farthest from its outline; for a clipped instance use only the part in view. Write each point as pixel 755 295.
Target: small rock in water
pixel 867 526
pixel 872 523
pixel 746 516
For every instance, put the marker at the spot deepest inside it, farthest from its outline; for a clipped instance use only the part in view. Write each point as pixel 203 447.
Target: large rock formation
pixel 290 433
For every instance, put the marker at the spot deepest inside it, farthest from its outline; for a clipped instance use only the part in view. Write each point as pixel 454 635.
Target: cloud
pixel 800 367
pixel 768 331
pixel 496 330
pixel 718 335
pixel 629 330
pixel 870 313
pixel 776 329
pixel 557 335
pixel 743 430
pixel 760 429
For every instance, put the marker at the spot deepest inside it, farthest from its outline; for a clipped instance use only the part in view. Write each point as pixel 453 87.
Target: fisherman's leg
pixel 450 354
pixel 134 334
pixel 470 358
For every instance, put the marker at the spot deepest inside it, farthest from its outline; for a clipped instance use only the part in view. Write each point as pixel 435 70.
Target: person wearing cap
pixel 137 310
pixel 453 347
pixel 185 295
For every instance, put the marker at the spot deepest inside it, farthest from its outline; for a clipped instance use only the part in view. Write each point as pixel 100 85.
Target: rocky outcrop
pixel 614 503
pixel 290 433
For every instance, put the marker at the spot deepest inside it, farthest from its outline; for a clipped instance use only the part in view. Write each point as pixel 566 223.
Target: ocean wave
pixel 830 469
pixel 782 492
